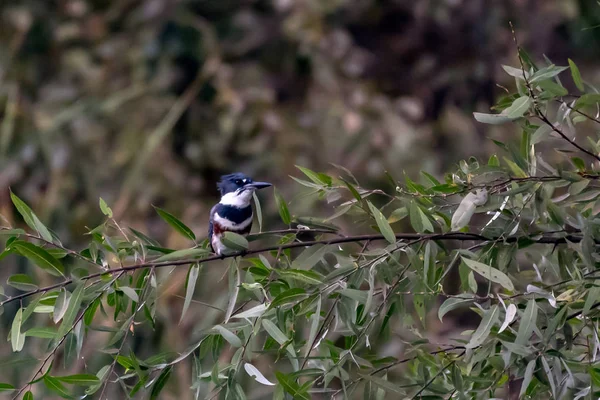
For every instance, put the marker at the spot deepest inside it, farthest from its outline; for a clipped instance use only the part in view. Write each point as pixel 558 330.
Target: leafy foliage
pixel 519 235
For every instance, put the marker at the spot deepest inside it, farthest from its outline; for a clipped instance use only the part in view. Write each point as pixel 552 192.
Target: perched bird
pixel 234 212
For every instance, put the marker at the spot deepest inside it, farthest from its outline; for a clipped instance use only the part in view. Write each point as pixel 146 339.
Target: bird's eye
pixel 238 181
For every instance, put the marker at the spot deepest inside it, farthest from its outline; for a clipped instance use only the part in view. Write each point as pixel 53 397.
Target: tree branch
pixel 459 236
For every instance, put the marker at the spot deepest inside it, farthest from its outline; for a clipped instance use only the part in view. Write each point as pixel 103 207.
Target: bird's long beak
pixel 260 185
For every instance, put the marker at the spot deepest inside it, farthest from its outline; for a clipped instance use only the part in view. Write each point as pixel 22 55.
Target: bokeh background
pixel 148 102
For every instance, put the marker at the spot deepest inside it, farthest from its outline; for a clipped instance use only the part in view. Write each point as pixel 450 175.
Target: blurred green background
pixel 148 102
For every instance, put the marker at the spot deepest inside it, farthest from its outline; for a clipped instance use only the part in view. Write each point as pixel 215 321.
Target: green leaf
pixel 30 218
pixel 310 256
pixel 314 326
pixel 527 324
pixel 231 337
pixel 490 273
pixel 527 377
pixel 175 223
pixel 43 333
pixel 382 224
pixel 579 163
pixel 6 387
pixel 485 326
pixel 61 304
pixel 184 253
pixel 71 313
pixel 190 286
pixel 452 303
pixel 258 211
pixel 160 382
pixel 38 256
pixel 518 107
pixel 310 277
pixel 591 299
pixel 291 387
pixel 130 292
pixel 56 386
pixel 418 219
pixel 17 338
pixel 492 119
pixel 318 178
pixel 274 331
pixel 234 241
pixel 576 75
pixel 355 294
pixel 284 212
pixel 22 282
pixel 589 99
pixel 548 72
pixel 289 296
pixel 398 215
pixel 79 379
pixel 106 210
pixel 28 395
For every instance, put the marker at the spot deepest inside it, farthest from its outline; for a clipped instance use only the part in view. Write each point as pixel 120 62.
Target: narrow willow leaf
pixel 130 292
pixel 175 223
pixel 6 387
pixel 60 307
pixel 592 297
pixel 56 386
pixel 576 75
pixel 547 73
pixel 452 303
pixel 190 286
pixel 485 326
pixel 253 312
pixel 39 257
pixel 527 324
pixel 234 241
pixel 30 218
pixel 274 331
pixel 418 219
pixel 257 375
pixel 550 376
pixel 44 333
pixel 184 253
pixel 518 107
pixel 511 312
pixel 22 282
pixel 290 296
pixel 314 327
pixel 284 212
pixel 231 337
pixel 398 215
pixel 17 338
pixel 527 377
pixel 492 119
pixel 11 232
pixel 160 382
pixel 355 294
pixel 71 313
pixel 382 224
pixel 310 277
pixel 234 288
pixel 258 211
pixel 28 395
pixel 79 379
pixel 291 387
pixel 310 256
pixel 490 273
pixel 106 210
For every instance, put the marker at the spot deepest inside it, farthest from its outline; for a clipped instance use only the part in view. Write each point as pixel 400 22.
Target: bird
pixel 233 213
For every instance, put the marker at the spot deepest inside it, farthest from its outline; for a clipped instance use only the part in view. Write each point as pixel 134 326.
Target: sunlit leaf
pixel 106 210
pixel 22 282
pixel 485 326
pixel 284 212
pixel 190 286
pixel 30 218
pixel 382 224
